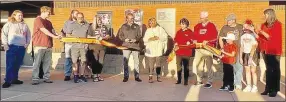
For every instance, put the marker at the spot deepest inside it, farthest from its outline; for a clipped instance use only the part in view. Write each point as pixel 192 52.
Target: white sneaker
pixel 247 88
pixel 238 87
pixel 254 89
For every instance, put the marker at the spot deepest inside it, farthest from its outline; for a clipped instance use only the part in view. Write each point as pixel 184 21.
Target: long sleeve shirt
pixel 206 33
pixel 130 32
pixel 16 34
pixel 181 38
pixel 273 45
pixel 158 47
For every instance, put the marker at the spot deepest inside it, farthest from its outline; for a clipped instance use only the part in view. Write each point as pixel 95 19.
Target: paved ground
pixel 113 89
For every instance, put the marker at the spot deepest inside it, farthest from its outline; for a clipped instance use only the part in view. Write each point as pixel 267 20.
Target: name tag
pixel 203 31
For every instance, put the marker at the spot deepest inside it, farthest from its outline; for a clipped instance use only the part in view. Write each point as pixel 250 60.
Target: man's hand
pixel 106 37
pixel 133 40
pixel 222 51
pixel 205 42
pixel 176 48
pixel 195 41
pixel 26 45
pixel 188 43
pixel 127 40
pixel 6 47
pixel 58 37
pixel 221 56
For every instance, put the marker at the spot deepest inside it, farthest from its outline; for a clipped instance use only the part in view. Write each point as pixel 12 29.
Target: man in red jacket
pixel 206 33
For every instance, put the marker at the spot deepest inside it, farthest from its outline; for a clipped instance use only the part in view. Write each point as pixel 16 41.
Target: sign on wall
pixel 166 17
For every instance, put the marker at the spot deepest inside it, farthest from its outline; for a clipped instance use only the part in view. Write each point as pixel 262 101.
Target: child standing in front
pixel 228 58
pixel 249 55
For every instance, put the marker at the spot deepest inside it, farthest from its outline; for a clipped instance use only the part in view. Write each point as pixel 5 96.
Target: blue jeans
pixel 68 67
pixel 238 70
pixel 14 60
pixel 126 55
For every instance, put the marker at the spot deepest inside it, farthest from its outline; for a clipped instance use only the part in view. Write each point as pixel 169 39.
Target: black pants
pixel 93 63
pixel 272 73
pixel 228 77
pixel 182 60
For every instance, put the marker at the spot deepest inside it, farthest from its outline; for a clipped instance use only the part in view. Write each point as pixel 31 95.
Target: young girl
pixel 248 55
pixel 101 33
pixel 228 58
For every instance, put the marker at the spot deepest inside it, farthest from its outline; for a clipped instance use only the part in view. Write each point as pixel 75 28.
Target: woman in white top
pixel 155 40
pixel 249 56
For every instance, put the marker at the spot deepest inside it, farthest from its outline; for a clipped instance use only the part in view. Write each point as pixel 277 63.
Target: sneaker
pixel 231 89
pixel 6 85
pixel 247 88
pixel 67 78
pixel 150 79
pixel 76 79
pixel 95 79
pixel 159 79
pixel 254 89
pixel 238 87
pixel 35 82
pixel 100 78
pixel 138 80
pixel 199 83
pixel 48 81
pixel 83 79
pixel 208 85
pixel 125 79
pixel 223 88
pixel 17 82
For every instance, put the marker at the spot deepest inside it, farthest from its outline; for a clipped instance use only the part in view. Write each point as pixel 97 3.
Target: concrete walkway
pixel 113 89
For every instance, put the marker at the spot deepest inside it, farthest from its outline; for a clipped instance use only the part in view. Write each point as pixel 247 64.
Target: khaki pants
pixel 203 57
pixel 44 55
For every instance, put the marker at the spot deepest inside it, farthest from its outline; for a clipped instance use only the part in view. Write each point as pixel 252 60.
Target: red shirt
pixel 181 38
pixel 261 43
pixel 273 45
pixel 208 33
pixel 229 48
pixel 39 38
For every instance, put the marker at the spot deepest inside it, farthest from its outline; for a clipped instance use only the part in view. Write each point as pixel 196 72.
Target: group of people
pixel 243 46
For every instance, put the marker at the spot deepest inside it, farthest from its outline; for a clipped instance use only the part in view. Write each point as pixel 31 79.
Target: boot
pixel 150 79
pixel 266 91
pixel 179 75
pixel 186 81
pixel 158 71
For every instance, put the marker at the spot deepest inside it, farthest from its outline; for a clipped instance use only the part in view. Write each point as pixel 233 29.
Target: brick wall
pixel 217 12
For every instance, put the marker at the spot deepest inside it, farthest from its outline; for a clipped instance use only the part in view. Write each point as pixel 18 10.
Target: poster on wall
pixel 106 18
pixel 166 17
pixel 138 15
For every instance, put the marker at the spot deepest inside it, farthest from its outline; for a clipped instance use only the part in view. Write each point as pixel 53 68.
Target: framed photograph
pixel 106 18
